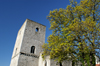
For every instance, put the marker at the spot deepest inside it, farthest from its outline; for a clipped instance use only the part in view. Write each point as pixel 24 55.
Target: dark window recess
pixel 32 49
pixel 60 63
pixel 45 63
pixel 37 29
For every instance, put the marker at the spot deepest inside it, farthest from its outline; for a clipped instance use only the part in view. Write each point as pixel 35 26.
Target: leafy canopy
pixel 75 32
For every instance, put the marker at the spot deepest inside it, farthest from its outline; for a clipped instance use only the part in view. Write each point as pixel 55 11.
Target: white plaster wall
pixel 14 61
pixel 19 40
pixel 51 62
pixel 48 60
pixel 42 61
pixel 17 47
pixel 97 60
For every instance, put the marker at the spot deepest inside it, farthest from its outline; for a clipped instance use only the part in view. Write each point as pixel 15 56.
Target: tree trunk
pixel 92 59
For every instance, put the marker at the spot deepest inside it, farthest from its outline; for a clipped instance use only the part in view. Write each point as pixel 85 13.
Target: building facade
pixel 28 44
pixel 28 47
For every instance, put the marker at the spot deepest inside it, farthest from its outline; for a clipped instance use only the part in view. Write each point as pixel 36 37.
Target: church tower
pixel 30 38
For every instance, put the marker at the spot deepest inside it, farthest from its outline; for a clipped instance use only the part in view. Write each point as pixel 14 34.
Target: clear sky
pixel 13 13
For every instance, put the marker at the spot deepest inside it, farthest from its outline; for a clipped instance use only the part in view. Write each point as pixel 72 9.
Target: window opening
pixel 60 63
pixel 45 63
pixel 15 51
pixel 37 29
pixel 32 49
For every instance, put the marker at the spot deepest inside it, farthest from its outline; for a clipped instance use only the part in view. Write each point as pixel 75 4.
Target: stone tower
pixel 28 44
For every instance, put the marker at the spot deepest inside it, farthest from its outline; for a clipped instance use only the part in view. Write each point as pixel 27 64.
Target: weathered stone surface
pixel 31 34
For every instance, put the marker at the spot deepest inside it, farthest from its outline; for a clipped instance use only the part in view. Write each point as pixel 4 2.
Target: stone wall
pixel 30 34
pixel 28 60
pixel 17 47
pixel 33 38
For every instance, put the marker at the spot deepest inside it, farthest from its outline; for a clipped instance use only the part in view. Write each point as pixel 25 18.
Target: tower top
pixel 34 21
pixel 28 45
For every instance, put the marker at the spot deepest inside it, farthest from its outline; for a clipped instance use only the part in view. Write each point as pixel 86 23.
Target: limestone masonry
pixel 28 44
pixel 28 47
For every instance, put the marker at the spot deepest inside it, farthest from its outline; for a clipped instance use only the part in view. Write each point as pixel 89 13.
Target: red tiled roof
pixel 97 64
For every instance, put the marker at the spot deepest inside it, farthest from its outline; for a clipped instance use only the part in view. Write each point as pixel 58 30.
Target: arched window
pixel 32 49
pixel 37 29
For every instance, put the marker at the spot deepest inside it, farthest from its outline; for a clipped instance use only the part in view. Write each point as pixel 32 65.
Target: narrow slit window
pixel 37 29
pixel 45 63
pixel 32 49
pixel 15 51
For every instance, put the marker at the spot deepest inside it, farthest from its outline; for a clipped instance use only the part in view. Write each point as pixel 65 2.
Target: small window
pixel 15 51
pixel 32 49
pixel 37 29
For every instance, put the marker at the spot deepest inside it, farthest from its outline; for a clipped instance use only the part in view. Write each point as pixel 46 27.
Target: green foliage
pixel 75 32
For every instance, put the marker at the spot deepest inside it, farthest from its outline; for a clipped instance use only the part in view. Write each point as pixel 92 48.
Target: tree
pixel 75 33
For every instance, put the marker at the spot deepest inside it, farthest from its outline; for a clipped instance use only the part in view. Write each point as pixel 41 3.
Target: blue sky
pixel 13 13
